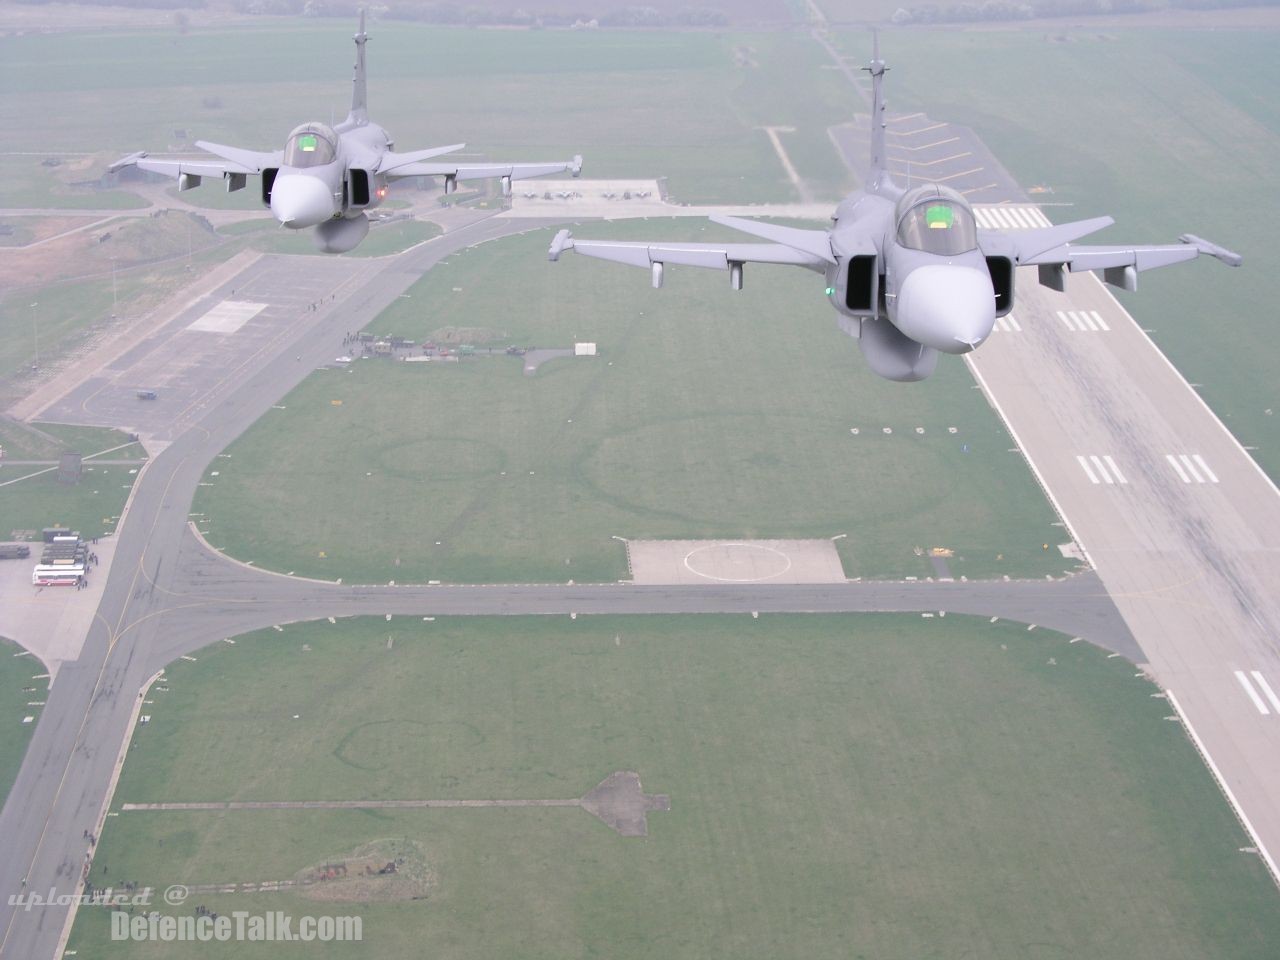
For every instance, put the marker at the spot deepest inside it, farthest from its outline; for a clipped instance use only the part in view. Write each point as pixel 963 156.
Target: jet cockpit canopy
pixel 311 145
pixel 936 219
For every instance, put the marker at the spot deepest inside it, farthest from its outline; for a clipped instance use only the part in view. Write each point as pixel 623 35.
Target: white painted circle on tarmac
pixel 775 562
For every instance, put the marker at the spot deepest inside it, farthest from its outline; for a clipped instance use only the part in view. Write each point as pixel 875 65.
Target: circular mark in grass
pixel 380 744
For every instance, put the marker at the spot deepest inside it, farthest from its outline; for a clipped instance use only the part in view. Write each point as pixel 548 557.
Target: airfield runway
pixel 919 149
pixel 1178 520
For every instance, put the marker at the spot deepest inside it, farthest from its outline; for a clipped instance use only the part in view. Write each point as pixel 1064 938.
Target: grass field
pixel 48 441
pixel 1176 131
pixel 706 415
pixel 861 786
pixel 684 105
pixel 636 103
pixel 25 183
pixel 17 689
pixel 90 506
pixel 1163 137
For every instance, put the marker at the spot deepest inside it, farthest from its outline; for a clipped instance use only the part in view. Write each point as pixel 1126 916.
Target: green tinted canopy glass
pixel 939 216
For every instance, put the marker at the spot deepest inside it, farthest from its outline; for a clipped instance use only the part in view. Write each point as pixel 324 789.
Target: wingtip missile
pixel 1229 257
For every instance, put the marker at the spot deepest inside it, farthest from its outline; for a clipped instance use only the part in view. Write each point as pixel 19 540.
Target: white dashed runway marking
pixel 1083 320
pixel 1009 217
pixel 1191 469
pixel 1253 694
pixel 1101 469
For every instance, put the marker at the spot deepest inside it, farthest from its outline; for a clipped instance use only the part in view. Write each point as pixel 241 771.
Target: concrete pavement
pixel 1180 523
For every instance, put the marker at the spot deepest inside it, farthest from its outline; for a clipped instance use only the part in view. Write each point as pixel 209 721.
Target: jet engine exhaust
pixel 339 236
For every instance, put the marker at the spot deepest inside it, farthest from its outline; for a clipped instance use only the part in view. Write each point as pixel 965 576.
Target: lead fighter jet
pixel 327 177
pixel 908 269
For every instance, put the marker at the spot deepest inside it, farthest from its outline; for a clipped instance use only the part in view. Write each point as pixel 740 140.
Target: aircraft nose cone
pixel 298 200
pixel 947 307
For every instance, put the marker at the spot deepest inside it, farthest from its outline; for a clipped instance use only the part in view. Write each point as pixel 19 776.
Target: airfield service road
pixel 167 595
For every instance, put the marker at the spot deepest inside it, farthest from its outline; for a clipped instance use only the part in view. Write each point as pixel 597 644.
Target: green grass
pixel 707 415
pixel 90 506
pixel 1143 124
pixel 861 786
pixel 48 441
pixel 156 256
pixel 1150 127
pixel 25 183
pixel 635 103
pixel 17 689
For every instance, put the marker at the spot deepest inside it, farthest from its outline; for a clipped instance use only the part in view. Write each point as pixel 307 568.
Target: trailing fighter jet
pixel 327 177
pixel 908 270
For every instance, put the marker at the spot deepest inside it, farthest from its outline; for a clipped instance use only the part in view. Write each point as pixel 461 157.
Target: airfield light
pixel 939 217
pixel 307 143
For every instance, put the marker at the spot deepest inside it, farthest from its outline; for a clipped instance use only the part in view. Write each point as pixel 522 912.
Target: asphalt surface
pixel 1180 523
pixel 168 595
pixel 920 149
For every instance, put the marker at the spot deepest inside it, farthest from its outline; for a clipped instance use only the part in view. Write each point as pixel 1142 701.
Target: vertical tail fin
pixel 359 95
pixel 877 70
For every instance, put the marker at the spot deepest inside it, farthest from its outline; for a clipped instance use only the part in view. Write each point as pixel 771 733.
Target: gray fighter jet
pixel 327 177
pixel 908 269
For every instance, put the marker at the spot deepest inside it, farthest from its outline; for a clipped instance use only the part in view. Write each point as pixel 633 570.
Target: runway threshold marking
pixel 1010 217
pixel 1265 687
pixel 1106 469
pixel 1083 321
pixel 1253 694
pixel 1192 468
pixel 1020 218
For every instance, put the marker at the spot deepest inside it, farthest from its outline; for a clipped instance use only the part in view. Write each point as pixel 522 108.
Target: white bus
pixel 61 576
